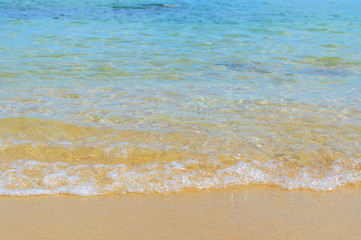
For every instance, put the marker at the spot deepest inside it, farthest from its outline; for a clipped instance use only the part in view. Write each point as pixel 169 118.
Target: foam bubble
pixel 2 147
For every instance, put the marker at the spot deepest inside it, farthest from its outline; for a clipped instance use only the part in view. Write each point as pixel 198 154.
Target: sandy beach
pixel 254 212
pixel 180 120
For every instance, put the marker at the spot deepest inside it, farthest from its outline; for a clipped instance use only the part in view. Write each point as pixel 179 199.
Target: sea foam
pixel 25 178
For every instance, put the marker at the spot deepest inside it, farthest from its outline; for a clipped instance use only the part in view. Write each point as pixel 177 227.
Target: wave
pixel 26 178
pixel 40 156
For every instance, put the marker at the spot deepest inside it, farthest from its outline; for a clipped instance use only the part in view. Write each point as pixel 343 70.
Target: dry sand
pixel 254 212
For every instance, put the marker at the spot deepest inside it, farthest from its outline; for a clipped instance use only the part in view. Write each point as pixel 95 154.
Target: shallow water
pixel 133 96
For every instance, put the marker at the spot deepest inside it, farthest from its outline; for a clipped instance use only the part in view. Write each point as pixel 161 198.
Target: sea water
pixel 120 96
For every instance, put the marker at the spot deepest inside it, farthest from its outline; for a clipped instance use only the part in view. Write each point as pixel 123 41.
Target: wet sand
pixel 253 212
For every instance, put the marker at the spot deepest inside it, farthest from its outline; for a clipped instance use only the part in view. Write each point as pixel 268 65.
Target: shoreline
pixel 250 212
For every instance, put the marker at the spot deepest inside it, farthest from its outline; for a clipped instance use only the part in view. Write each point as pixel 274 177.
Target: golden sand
pixel 255 212
pixel 299 144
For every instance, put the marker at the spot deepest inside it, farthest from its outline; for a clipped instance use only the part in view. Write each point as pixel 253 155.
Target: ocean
pixel 136 96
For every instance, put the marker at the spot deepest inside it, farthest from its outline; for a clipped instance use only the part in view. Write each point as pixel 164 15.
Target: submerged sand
pixel 253 212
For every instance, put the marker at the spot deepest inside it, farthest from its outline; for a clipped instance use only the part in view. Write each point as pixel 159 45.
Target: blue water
pixel 267 83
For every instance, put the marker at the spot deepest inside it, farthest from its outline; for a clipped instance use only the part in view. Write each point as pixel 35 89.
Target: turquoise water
pixel 226 93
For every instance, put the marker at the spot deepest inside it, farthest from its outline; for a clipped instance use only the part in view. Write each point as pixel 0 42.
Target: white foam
pixel 24 178
pixel 3 146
